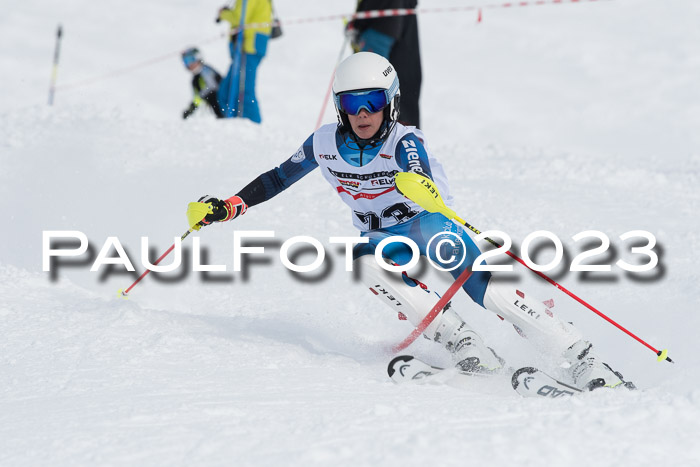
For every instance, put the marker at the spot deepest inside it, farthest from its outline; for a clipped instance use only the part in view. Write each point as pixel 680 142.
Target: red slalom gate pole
pixel 125 292
pixel 330 85
pixel 451 291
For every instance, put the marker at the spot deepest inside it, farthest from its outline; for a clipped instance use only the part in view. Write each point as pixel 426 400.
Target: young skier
pixel 359 158
pixel 205 83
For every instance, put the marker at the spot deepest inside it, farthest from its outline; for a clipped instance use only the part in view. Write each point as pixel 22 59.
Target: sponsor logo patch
pixel 529 311
pixel 382 182
pixel 350 183
pixel 298 157
pixel 340 189
pixel 370 176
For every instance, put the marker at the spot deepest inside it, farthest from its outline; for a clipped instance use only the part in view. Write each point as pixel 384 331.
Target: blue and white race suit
pixel 364 180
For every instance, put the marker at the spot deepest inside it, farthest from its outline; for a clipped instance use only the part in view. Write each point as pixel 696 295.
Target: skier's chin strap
pixel 354 142
pixel 360 144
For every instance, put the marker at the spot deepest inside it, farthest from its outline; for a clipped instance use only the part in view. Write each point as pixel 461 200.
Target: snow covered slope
pixel 566 118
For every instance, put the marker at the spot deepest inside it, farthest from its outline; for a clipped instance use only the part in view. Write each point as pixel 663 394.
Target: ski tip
pixel 514 380
pixel 391 369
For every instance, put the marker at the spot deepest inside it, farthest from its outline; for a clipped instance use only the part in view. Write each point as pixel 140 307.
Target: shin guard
pixel 410 299
pixel 414 300
pixel 531 318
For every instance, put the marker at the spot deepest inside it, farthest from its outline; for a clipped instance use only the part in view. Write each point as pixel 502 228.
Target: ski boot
pixel 469 352
pixel 587 372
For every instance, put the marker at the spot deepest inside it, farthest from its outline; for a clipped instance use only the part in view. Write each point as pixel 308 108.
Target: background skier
pixel 205 83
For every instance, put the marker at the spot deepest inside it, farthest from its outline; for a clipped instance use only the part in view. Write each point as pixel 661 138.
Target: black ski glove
pixel 189 111
pixel 223 210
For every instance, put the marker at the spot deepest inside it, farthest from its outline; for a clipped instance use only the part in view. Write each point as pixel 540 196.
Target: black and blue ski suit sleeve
pixel 412 156
pixel 275 181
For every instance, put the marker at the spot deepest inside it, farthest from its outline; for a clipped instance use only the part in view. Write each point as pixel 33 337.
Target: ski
pixel 407 368
pixel 531 382
pixel 527 381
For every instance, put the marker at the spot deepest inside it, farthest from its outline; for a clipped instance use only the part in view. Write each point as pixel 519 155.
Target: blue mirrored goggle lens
pixel 189 59
pixel 372 101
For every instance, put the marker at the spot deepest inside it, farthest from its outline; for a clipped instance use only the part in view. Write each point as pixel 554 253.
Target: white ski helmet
pixel 355 79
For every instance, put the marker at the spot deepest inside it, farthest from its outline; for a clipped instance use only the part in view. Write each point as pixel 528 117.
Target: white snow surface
pixel 570 117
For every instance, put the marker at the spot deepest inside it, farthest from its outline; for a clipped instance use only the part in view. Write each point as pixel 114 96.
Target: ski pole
pixel 54 70
pixel 423 192
pixel 451 291
pixel 196 211
pixel 125 292
pixel 330 85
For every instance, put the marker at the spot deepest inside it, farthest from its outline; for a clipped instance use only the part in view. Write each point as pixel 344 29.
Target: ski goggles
pixel 354 101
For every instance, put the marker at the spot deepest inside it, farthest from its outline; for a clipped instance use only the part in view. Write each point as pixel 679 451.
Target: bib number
pixel 399 212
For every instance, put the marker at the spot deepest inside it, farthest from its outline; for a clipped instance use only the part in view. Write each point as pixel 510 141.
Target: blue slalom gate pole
pixel 236 68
